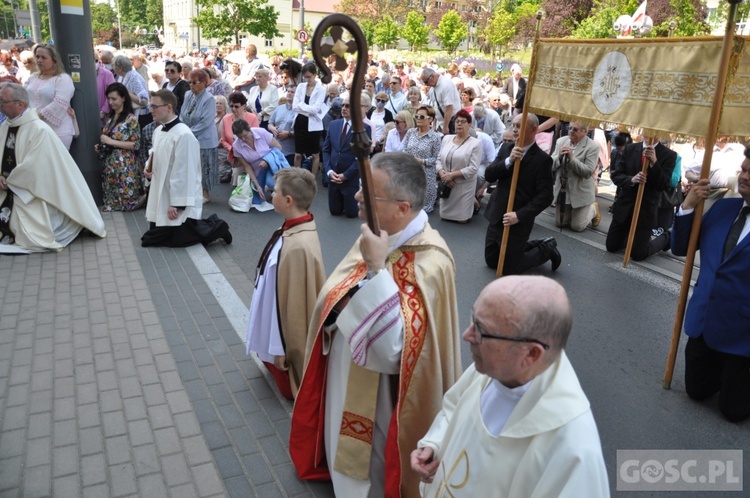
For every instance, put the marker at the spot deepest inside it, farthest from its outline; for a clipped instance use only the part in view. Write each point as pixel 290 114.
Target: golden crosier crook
pixel 323 47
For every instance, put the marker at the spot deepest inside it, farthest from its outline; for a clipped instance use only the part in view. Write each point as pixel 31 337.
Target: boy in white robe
pixel 289 276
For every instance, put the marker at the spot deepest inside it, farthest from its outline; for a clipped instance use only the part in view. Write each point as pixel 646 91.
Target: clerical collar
pixel 415 226
pixel 171 124
pixel 12 122
pixel 297 221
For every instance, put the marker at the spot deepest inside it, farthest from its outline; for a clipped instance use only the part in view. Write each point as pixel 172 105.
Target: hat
pixel 337 103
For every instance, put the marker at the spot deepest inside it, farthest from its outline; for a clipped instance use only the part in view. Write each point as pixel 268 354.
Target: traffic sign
pixel 303 36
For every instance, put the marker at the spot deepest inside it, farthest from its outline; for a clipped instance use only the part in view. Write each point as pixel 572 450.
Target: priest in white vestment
pixel 517 422
pixel 383 346
pixel 44 199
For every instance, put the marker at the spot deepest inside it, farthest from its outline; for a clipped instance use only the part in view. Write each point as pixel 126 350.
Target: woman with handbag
pixel 457 166
pixel 250 149
pixel 118 147
pixel 423 143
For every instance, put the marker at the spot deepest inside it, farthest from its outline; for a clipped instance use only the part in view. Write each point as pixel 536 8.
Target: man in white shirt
pixel 246 80
pixel 396 98
pixel 517 422
pixel 444 98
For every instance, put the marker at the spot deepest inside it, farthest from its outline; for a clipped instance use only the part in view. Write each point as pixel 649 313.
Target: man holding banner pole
pixel 629 176
pixel 533 194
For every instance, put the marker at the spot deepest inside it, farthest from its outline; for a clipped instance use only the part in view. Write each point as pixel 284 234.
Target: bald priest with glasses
pixel 517 422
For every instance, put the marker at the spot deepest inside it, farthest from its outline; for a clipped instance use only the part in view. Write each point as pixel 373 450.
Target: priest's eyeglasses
pixel 480 334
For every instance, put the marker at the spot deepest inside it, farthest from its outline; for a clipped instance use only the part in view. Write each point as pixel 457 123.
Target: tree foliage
pixel 227 19
pixel 500 30
pixel 374 10
pixel 103 17
pixel 451 31
pixel 416 31
pixel 690 16
pixel 387 32
pixel 368 29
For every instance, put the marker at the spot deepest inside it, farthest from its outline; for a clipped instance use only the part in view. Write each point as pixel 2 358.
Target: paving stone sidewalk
pixel 121 376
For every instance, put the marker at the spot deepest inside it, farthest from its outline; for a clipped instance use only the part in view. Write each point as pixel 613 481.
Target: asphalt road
pixel 622 324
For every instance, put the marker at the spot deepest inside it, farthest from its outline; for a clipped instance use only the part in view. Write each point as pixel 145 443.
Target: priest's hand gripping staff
pixel 334 45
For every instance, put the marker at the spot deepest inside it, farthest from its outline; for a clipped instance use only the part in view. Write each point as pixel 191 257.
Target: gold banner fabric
pixel 666 85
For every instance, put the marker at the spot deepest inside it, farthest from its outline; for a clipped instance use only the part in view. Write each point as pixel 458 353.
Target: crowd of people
pixel 372 354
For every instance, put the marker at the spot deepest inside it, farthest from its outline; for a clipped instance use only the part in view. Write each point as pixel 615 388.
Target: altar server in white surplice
pixel 175 199
pixel 517 423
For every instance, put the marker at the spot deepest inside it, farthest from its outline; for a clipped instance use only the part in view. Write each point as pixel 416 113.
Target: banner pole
pixel 521 139
pixel 713 128
pixel 636 213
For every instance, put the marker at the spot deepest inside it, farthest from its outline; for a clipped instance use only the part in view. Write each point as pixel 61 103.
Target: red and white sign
pixel 303 36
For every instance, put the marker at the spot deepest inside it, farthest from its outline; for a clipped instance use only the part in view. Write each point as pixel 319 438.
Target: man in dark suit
pixel 340 165
pixel 514 84
pixel 628 176
pixel 717 355
pixel 533 195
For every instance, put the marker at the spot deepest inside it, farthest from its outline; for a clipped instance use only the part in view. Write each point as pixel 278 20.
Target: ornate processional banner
pixel 661 84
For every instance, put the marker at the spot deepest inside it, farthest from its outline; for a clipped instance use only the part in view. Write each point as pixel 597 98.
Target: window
pixel 269 43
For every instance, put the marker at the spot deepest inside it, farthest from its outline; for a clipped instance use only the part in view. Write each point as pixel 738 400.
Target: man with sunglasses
pixel 517 422
pixel 175 83
pixel 396 98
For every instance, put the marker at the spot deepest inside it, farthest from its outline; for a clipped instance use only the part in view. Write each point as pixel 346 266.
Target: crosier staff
pixel 334 45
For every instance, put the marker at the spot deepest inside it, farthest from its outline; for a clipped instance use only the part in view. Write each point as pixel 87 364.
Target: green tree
pixel 226 19
pixel 416 31
pixel 500 30
pixel 103 17
pixel 387 32
pixel 368 29
pixel 598 25
pixel 44 20
pixel 155 13
pixel 451 31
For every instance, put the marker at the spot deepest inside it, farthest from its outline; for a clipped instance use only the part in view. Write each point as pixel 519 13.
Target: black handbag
pixel 443 190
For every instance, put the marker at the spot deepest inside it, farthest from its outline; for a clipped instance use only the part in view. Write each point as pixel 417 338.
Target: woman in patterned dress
pixel 122 137
pixel 424 143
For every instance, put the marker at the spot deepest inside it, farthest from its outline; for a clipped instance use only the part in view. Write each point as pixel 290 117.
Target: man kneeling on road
pixel 517 422
pixel 575 160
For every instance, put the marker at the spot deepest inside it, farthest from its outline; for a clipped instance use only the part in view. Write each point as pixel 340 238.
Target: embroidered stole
pixel 358 421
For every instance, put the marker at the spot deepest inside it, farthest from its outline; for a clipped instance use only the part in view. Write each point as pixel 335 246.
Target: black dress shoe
pixel 227 238
pixel 550 246
pixel 555 258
